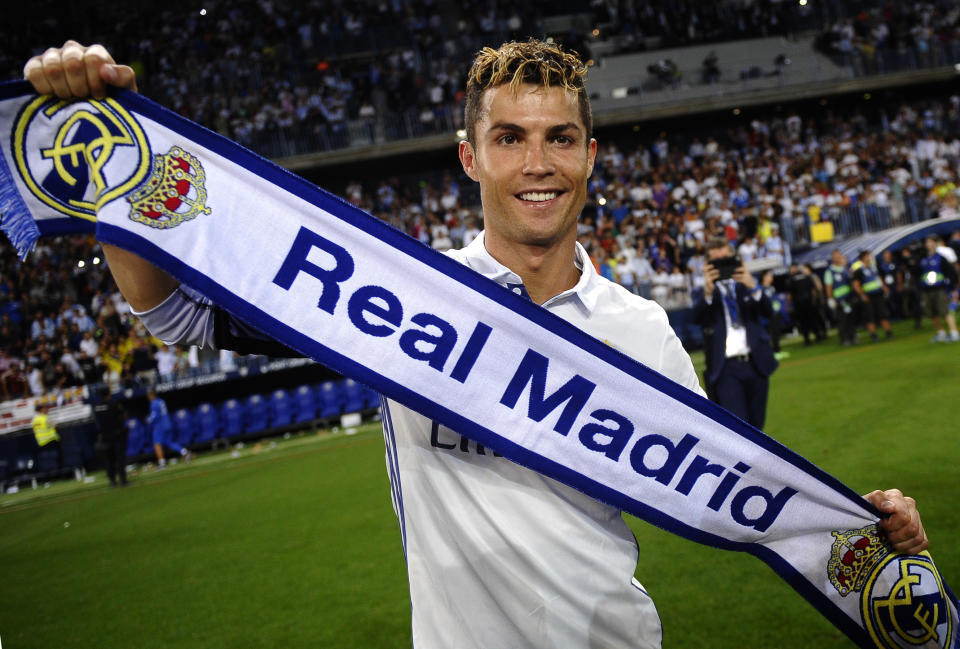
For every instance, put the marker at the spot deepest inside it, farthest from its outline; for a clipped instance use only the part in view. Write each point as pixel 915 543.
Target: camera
pixel 726 266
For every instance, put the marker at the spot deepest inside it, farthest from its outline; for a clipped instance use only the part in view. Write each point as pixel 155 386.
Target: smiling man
pixel 498 555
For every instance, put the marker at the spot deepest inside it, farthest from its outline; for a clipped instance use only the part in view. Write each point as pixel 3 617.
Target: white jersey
pixel 499 556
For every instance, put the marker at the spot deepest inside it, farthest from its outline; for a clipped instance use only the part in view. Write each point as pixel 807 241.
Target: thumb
pixel 121 76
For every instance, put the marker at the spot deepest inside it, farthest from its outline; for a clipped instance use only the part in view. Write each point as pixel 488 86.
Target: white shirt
pixel 736 343
pixel 166 362
pixel 499 556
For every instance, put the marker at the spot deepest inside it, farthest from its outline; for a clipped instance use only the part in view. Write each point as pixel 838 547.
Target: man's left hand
pixel 745 277
pixel 903 527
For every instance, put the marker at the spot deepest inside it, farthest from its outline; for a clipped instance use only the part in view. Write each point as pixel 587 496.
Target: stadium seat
pixel 304 404
pixel 371 397
pixel 137 441
pixel 231 417
pixel 331 399
pixel 208 423
pixel 256 418
pixel 355 400
pixel 184 426
pixel 281 409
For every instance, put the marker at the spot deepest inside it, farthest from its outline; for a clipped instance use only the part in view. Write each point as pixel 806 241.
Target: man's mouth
pixel 538 197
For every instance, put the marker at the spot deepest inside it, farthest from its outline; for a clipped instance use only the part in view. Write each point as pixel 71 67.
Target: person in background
pixel 839 287
pixel 819 303
pixel 937 276
pixel 778 306
pixel 873 294
pixel 741 355
pixel 166 363
pixel 112 437
pixel 44 432
pixel 889 271
pixel 802 291
pixel 161 430
pixel 908 285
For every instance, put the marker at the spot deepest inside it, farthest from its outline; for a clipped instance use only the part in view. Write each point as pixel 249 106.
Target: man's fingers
pixel 74 70
pixel 95 58
pixel 903 527
pixel 121 76
pixel 910 538
pixel 53 73
pixel 33 72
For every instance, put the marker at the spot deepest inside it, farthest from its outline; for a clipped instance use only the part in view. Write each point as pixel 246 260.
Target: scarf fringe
pixel 16 221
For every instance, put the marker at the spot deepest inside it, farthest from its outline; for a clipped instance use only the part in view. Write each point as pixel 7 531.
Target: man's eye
pixel 563 139
pixel 509 138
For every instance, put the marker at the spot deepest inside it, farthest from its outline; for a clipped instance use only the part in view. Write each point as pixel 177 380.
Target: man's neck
pixel 545 271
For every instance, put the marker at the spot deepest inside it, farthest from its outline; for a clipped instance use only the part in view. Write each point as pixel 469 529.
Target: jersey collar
pixel 585 291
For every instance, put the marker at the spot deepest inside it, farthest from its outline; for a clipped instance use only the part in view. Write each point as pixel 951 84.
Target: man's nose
pixel 537 160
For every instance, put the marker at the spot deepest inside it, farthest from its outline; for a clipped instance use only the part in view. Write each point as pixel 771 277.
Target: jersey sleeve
pixel 187 317
pixel 675 362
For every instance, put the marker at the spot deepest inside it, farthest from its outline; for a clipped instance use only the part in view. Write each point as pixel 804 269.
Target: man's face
pixel 532 160
pixel 837 258
pixel 930 244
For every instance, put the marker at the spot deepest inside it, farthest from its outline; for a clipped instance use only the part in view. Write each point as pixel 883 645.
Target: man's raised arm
pixel 75 71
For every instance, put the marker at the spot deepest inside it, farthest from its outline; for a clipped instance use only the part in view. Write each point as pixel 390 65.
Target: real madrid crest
pixel 903 602
pixel 175 191
pixel 76 156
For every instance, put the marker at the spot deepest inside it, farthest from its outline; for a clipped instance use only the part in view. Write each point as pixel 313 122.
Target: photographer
pixel 739 356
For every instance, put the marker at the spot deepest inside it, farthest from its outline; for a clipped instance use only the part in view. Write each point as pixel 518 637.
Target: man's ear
pixel 468 159
pixel 591 156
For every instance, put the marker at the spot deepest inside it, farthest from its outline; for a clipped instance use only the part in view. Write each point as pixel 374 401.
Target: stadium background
pixel 290 539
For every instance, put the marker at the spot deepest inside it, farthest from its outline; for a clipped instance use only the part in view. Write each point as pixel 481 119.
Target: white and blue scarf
pixel 342 287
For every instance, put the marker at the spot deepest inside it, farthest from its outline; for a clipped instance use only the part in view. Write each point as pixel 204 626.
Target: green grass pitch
pixel 296 544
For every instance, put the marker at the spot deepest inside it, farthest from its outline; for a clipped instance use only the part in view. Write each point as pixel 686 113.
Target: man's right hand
pixel 710 275
pixel 75 71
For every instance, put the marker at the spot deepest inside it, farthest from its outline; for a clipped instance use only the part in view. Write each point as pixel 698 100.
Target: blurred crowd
pixel 286 76
pixel 640 26
pixel 254 68
pixel 63 323
pixel 892 36
pixel 651 207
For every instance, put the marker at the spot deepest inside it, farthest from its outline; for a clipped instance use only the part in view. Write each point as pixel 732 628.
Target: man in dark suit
pixel 740 358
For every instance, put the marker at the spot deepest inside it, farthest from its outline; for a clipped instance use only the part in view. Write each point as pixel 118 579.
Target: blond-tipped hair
pixel 531 62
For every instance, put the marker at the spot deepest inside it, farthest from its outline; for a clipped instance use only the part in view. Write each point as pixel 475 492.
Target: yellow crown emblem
pixel 854 555
pixel 175 191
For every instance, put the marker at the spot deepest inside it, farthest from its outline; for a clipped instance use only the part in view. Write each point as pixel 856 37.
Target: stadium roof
pixel 877 242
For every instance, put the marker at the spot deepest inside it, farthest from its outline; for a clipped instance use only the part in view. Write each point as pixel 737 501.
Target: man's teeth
pixel 539 196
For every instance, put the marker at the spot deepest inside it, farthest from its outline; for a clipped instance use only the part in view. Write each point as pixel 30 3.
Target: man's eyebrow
pixel 516 128
pixel 561 128
pixel 507 126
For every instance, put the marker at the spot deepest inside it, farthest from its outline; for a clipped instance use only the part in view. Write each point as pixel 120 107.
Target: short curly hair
pixel 538 62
